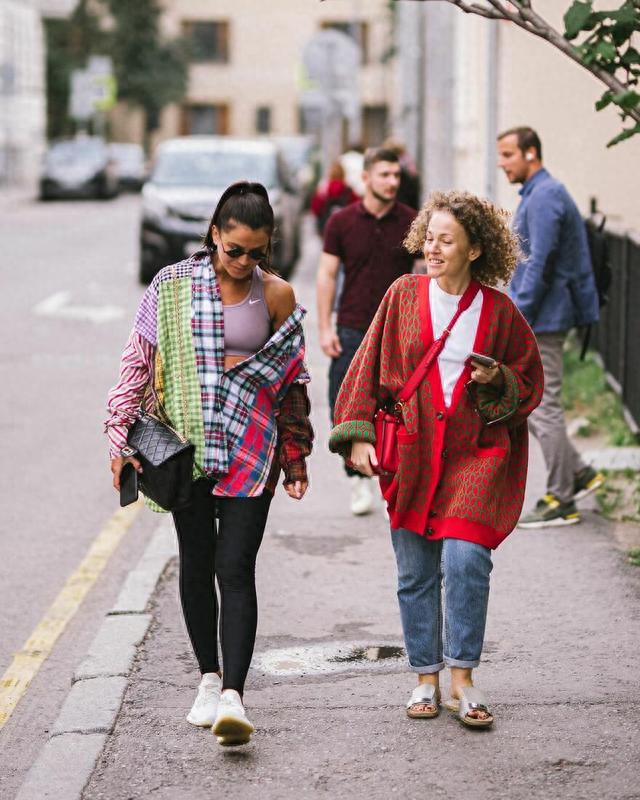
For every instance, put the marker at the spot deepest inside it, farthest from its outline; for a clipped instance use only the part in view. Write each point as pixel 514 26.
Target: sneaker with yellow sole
pixel 586 482
pixel 550 513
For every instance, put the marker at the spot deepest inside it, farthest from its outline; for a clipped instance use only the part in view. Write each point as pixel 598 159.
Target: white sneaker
pixel 231 726
pixel 361 496
pixel 203 711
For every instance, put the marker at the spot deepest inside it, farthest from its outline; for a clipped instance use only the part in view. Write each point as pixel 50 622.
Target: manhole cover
pixel 327 658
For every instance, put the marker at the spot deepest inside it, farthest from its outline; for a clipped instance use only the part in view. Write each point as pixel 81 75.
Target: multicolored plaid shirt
pixel 175 358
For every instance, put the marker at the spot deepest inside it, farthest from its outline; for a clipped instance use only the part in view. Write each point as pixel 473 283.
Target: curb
pixel 89 713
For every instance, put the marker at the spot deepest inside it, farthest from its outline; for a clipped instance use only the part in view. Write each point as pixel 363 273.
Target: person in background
pixel 554 288
pixel 367 238
pixel 459 487
pixel 352 162
pixel 409 191
pixel 330 196
pixel 218 345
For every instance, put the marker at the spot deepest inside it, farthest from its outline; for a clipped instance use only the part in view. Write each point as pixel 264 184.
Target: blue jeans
pixel 463 569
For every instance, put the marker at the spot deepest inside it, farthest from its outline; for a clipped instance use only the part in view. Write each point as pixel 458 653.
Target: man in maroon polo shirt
pixel 366 238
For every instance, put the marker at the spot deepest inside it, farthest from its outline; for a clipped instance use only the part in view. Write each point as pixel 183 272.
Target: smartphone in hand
pixel 486 361
pixel 128 484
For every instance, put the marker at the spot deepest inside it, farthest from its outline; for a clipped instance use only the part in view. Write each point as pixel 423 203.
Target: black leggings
pixel 227 550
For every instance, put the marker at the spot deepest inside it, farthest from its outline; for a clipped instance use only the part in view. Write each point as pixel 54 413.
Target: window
pixel 309 119
pixel 204 120
pixel 356 30
pixel 208 41
pixel 263 119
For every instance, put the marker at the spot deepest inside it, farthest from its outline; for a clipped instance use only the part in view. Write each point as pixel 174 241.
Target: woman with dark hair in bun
pixel 218 346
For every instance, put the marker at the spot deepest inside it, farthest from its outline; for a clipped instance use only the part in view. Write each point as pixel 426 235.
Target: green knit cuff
pixel 355 430
pixel 496 403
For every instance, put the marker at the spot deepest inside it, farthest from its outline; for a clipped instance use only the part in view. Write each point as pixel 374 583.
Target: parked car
pixel 79 167
pixel 130 163
pixel 187 179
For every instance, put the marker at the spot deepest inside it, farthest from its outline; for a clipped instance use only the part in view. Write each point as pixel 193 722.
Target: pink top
pixel 247 326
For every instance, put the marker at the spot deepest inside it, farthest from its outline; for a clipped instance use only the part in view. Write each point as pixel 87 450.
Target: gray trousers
pixel 547 422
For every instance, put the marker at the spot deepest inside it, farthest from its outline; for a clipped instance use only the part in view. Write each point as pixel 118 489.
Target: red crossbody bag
pixel 387 422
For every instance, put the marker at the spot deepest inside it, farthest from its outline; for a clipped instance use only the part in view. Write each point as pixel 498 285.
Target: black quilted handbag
pixel 166 459
pixel 166 456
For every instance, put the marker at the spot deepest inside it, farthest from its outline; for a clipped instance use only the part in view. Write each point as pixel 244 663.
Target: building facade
pixel 246 75
pixel 477 77
pixel 22 87
pixel 22 92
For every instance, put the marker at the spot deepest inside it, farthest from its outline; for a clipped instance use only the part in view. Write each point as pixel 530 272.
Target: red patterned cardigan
pixel 458 477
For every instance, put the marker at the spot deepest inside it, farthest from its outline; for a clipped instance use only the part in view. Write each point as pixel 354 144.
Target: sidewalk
pixel 326 691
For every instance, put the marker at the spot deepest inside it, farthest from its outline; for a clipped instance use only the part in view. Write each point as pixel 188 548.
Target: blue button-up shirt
pixel 553 285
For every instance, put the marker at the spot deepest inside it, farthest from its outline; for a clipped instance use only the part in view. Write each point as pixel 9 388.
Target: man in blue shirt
pixel 554 288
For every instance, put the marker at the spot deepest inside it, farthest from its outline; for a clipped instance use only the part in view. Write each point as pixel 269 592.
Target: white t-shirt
pixel 461 339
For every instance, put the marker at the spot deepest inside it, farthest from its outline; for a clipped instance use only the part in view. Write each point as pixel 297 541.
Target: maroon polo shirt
pixel 373 256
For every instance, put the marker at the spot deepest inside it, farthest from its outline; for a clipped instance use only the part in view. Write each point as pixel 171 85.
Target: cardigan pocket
pixel 403 486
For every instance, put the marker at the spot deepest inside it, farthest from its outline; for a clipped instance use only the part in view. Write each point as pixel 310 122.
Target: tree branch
pixel 526 18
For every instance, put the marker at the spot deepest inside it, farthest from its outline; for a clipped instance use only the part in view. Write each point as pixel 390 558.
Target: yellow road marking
pixel 27 661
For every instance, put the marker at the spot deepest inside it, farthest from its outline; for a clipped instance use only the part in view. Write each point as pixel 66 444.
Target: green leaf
pixel 626 20
pixel 576 18
pixel 604 101
pixel 606 50
pixel 630 56
pixel 626 100
pixel 627 133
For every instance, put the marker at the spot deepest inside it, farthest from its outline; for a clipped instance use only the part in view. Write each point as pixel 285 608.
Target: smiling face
pixel 233 238
pixel 448 252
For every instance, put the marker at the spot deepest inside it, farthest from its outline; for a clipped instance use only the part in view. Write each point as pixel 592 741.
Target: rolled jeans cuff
pixel 454 662
pixel 427 670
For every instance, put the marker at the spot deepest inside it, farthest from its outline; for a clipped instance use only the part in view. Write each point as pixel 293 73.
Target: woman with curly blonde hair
pixel 462 446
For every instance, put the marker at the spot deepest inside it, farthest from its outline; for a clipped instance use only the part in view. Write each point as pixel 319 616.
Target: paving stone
pixel 91 706
pixel 50 775
pixel 141 581
pixel 114 648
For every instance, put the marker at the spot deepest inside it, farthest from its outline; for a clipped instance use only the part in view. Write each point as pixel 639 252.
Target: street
pixel 56 485
pixel 328 684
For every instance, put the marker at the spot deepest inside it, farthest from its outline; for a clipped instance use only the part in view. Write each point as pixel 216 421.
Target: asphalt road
pixel 69 291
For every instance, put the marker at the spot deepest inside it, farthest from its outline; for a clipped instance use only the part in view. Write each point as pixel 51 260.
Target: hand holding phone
pixel 128 484
pixel 486 361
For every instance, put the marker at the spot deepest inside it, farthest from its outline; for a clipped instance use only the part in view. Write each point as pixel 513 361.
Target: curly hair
pixel 485 225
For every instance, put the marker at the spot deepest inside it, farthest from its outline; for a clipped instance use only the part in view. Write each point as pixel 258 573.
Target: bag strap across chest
pixel 436 347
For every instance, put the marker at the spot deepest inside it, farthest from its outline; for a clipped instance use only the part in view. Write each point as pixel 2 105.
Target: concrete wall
pixel 464 105
pixel 541 87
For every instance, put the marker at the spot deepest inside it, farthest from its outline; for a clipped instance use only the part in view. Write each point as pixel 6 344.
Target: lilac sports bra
pixel 247 326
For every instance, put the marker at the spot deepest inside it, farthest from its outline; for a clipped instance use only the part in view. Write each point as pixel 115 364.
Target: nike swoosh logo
pixel 251 302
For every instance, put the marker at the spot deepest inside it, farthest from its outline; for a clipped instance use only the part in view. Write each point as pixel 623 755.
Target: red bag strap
pixel 436 347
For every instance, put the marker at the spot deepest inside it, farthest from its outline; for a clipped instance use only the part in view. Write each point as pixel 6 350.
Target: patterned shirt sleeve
pixel 295 434
pixel 124 399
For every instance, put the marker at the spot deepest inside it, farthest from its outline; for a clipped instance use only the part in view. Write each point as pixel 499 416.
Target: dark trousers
pixel 220 536
pixel 350 339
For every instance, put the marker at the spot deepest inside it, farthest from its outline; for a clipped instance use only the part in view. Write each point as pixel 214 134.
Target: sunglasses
pixel 237 252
